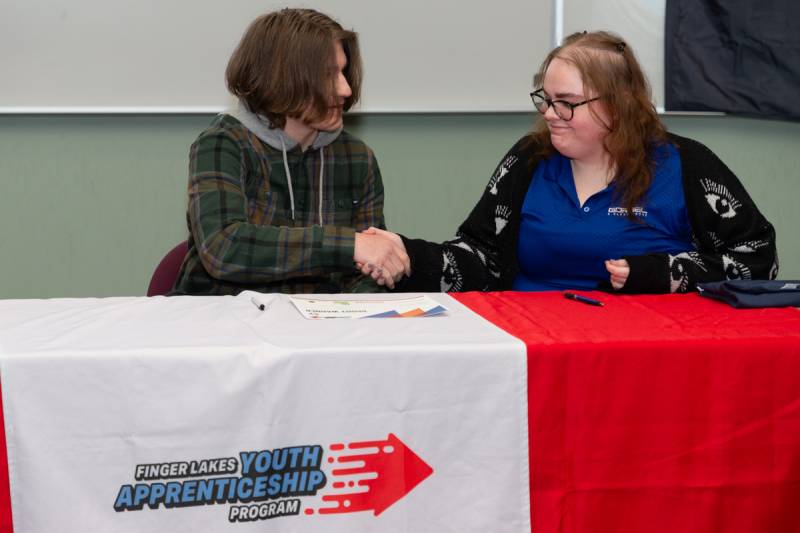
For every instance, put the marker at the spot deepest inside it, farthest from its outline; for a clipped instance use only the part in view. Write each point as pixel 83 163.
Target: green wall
pixel 89 204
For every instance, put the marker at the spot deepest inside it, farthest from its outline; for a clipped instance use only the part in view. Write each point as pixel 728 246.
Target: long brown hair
pixel 282 66
pixel 609 68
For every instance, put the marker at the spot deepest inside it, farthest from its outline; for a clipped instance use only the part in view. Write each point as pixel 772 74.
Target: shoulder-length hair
pixel 609 68
pixel 284 65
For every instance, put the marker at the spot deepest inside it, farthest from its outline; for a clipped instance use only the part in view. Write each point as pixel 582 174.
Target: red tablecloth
pixel 5 490
pixel 658 413
pixel 651 414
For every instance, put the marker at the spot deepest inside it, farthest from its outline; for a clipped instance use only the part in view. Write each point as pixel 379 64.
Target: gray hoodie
pixel 278 139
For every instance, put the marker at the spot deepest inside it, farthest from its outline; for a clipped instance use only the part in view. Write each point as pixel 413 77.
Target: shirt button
pixel 585 209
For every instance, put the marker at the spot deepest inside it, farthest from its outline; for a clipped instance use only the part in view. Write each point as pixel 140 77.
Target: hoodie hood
pixel 275 137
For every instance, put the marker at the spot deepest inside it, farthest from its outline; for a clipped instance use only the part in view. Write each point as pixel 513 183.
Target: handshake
pixel 381 255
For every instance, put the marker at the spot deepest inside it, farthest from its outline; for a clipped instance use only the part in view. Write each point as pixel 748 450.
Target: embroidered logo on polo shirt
pixel 623 211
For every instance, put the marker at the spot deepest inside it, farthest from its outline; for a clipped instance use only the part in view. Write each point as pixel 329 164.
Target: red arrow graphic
pixel 377 478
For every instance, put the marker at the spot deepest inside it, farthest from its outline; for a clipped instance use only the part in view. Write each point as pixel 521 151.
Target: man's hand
pixel 619 272
pixel 381 254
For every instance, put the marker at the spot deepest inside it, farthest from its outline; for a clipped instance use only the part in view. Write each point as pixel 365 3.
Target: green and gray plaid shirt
pixel 242 232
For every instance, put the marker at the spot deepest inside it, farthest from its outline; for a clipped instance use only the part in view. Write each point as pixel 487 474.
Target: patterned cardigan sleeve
pixel 480 257
pixel 732 238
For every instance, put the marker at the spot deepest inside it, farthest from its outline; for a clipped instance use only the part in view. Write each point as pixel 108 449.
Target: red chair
pixel 166 272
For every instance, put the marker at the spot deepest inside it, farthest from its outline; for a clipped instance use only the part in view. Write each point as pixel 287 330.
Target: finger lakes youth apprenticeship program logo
pixel 259 485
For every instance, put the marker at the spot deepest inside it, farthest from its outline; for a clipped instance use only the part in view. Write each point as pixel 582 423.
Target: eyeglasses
pixel 565 110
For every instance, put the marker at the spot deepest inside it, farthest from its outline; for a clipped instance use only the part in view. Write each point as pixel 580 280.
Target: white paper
pixel 354 307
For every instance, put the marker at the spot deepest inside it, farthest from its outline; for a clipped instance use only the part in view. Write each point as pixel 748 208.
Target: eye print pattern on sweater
pixel 734 269
pixel 464 246
pixel 718 244
pixel 679 277
pixel 749 247
pixel 720 199
pixel 451 277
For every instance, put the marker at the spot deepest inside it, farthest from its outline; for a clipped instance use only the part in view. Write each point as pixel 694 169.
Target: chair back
pixel 166 272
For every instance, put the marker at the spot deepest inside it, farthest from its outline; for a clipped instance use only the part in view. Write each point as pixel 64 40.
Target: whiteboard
pixel 639 22
pixel 169 56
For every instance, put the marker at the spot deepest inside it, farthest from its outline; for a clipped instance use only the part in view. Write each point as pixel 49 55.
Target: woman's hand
pixel 619 272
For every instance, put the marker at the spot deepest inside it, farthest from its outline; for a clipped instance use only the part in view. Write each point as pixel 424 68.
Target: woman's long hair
pixel 609 68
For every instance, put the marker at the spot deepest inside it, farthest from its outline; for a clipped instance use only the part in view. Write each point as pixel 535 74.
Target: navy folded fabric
pixel 754 293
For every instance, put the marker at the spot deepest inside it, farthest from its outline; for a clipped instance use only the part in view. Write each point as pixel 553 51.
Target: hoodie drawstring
pixel 321 174
pixel 289 177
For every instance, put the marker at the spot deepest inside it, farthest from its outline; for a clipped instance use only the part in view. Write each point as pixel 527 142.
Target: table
pixel 653 413
pixel 656 414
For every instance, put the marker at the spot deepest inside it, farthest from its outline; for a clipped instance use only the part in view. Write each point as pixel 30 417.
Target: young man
pixel 278 191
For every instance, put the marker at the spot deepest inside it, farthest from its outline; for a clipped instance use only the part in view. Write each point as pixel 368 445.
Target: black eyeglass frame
pixel 550 102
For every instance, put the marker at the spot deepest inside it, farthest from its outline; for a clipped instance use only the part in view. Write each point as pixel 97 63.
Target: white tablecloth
pixel 207 388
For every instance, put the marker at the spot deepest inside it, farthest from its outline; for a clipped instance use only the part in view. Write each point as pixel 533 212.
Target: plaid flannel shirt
pixel 241 232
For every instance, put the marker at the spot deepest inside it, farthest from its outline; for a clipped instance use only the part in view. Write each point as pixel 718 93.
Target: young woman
pixel 599 195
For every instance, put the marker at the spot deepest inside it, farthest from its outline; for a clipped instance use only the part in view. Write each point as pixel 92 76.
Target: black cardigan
pixel 732 239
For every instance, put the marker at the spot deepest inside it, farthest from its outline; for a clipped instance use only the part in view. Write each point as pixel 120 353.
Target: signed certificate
pixel 354 307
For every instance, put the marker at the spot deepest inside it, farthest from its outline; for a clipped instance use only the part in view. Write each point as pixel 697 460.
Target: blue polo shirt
pixel 563 245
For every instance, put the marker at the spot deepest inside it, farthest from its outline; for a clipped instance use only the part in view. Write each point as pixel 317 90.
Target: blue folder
pixel 754 293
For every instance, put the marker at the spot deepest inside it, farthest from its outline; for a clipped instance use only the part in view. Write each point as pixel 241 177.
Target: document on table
pixel 354 307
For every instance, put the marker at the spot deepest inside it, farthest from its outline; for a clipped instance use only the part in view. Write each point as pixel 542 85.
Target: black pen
pixel 261 307
pixel 582 299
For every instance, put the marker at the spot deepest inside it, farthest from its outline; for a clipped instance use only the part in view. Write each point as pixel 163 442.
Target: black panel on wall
pixel 737 56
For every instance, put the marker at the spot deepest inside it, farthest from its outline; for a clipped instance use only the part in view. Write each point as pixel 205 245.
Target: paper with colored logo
pixel 362 307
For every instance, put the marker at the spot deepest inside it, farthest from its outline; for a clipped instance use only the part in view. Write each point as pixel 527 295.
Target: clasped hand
pixel 618 270
pixel 381 255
